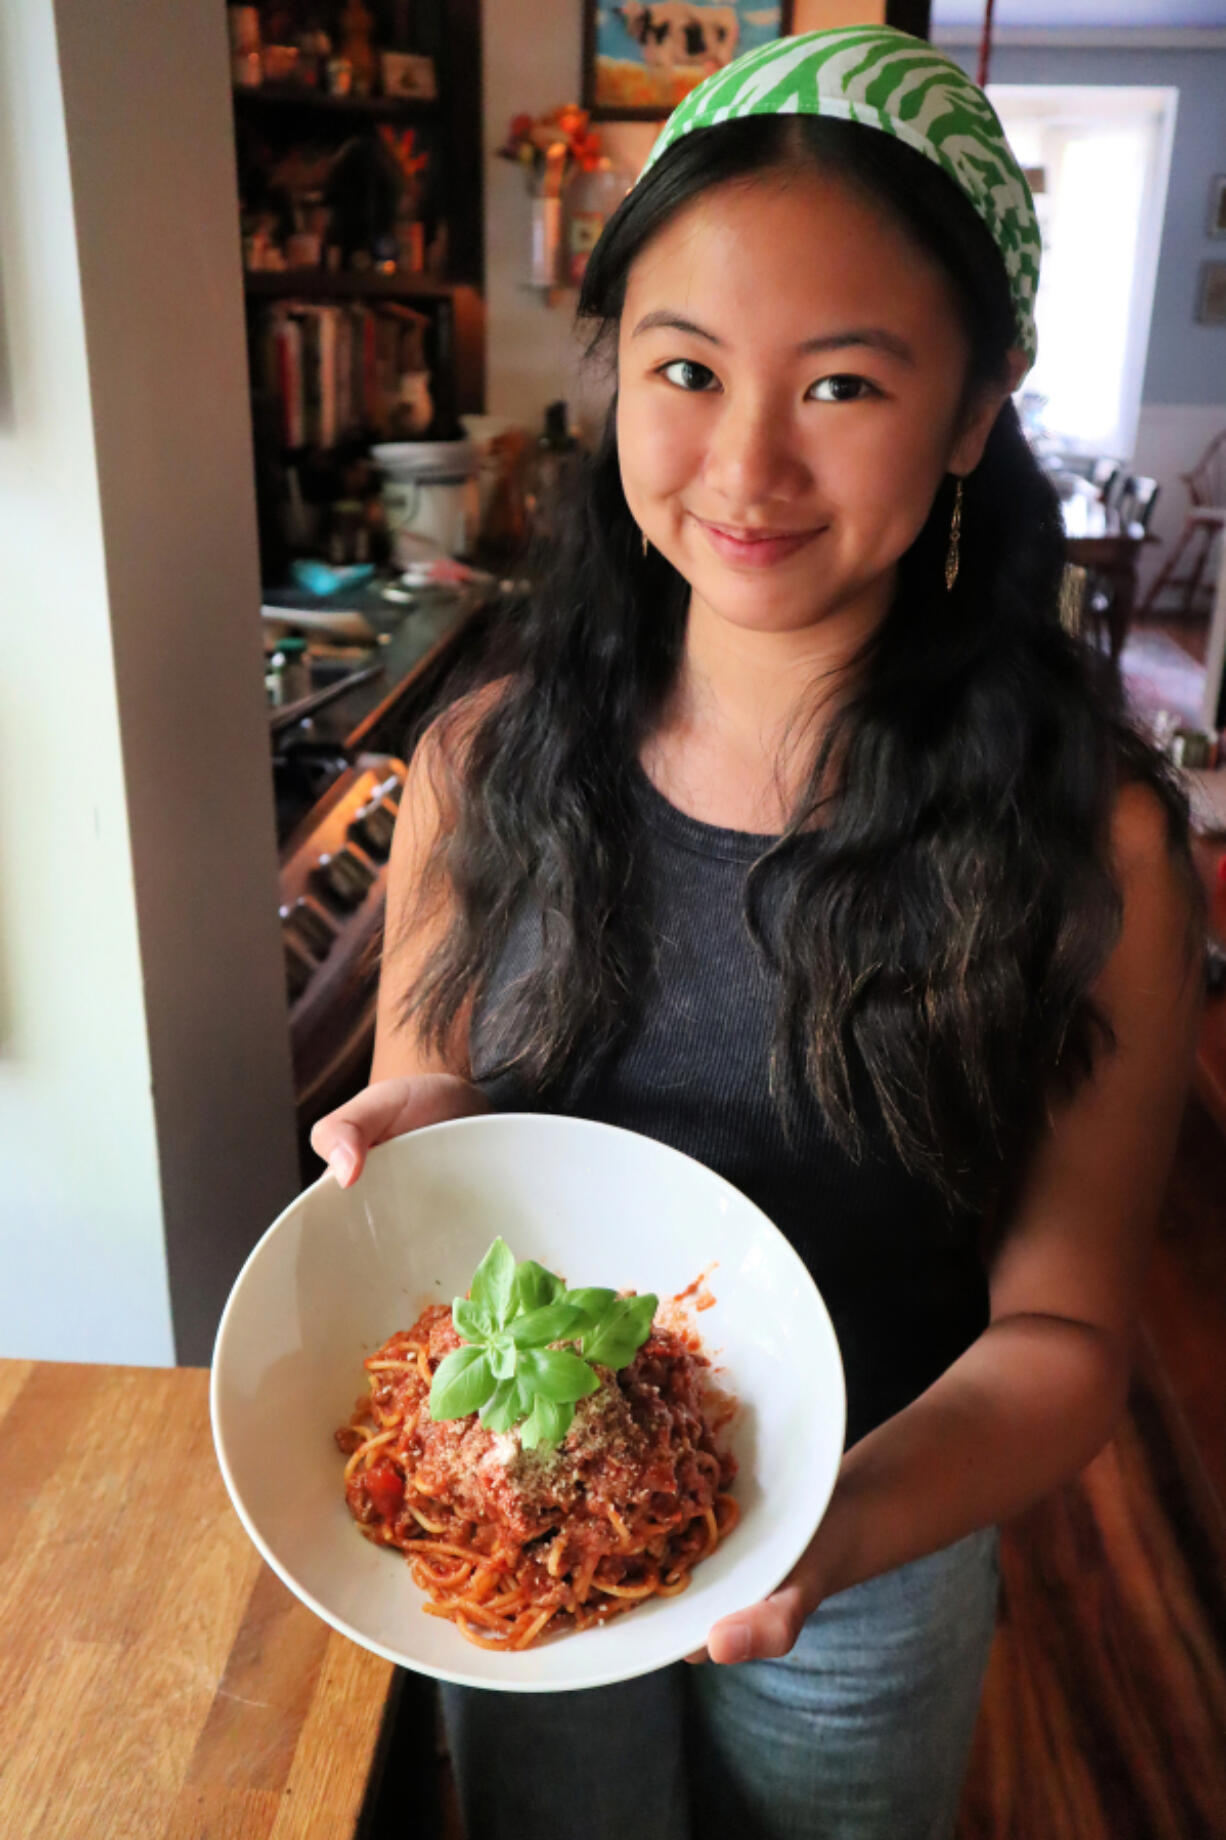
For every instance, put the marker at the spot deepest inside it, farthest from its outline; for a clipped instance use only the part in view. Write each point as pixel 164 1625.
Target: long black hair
pixel 937 923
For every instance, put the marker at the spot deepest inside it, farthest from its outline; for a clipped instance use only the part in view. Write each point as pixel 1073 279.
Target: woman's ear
pixel 987 405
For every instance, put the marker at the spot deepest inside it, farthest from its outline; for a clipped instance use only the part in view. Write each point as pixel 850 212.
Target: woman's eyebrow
pixel 875 337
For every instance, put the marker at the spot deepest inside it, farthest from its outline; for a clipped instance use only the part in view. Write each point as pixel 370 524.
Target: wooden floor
pixel 1193 635
pixel 1104 1714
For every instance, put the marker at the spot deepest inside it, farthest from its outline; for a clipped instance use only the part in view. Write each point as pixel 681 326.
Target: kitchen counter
pixel 406 639
pixel 157 1681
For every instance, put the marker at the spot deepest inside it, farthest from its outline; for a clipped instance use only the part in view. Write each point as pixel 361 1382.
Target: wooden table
pixel 1097 541
pixel 157 1681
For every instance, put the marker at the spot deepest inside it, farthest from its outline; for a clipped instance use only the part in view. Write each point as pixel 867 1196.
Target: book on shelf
pixel 334 370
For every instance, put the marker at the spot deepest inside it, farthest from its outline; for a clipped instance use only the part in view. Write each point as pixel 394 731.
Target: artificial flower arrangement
pixel 561 137
pixel 412 164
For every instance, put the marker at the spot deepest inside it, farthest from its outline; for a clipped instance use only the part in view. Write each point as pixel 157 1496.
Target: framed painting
pixel 1217 206
pixel 1211 301
pixel 642 56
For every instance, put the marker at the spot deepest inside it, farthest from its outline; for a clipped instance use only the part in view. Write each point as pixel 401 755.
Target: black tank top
pixel 904 1283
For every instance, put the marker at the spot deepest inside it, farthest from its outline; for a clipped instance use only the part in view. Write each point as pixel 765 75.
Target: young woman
pixel 801 835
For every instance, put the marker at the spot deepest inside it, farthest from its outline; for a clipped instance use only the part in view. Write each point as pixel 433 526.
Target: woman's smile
pixel 755 549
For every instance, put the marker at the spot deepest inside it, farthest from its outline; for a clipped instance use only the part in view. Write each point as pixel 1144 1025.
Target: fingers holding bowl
pixel 340 1144
pixel 762 1632
pixel 386 1109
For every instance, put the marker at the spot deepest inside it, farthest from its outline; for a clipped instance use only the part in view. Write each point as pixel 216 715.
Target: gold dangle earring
pixel 646 545
pixel 955 531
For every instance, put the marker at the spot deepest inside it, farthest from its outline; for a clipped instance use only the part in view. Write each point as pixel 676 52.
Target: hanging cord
pixel 985 45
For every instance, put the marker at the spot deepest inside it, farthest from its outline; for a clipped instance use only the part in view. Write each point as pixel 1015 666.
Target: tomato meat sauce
pixel 507 1541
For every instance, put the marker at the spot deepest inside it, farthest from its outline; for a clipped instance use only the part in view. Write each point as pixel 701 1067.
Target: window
pixel 1098 160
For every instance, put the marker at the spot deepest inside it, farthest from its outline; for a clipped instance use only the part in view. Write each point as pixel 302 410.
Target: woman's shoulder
pixel 1148 832
pixel 1154 872
pixel 433 790
pixel 439 760
pixel 450 733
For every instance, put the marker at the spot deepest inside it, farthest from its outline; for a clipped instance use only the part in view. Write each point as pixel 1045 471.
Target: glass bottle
pixel 551 469
pixel 357 24
pixel 589 198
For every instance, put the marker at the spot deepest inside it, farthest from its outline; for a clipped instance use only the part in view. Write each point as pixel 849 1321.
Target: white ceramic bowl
pixel 340 1270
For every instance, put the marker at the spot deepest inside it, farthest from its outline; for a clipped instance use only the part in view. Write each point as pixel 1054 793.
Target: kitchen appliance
pixel 431 498
pixel 333 885
pixel 337 773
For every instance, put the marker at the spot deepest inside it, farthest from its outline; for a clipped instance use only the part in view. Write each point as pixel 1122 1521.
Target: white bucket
pixel 430 498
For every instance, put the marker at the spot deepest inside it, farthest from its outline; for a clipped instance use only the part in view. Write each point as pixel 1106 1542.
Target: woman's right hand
pixel 389 1108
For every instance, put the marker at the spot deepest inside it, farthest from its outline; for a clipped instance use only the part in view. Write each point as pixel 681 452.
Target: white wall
pixel 1171 437
pixel 80 1217
pixel 145 1120
pixel 531 352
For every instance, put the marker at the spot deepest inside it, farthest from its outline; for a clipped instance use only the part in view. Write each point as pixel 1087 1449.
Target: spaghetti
pixel 508 1542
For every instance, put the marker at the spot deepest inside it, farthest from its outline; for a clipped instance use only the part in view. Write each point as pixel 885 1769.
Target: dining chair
pixel 1202 527
pixel 1104 476
pixel 1136 502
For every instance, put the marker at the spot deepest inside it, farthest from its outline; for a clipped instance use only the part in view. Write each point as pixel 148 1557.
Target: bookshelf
pixel 285 97
pixel 315 284
pixel 329 338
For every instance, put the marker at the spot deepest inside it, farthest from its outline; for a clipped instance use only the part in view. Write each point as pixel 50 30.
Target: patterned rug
pixel 1159 675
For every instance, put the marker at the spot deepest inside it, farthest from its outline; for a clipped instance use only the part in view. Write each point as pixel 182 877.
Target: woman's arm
pixel 420 907
pixel 413 1082
pixel 1037 1395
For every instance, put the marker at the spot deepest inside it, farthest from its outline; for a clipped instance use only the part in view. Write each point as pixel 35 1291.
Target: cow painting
pixel 642 56
pixel 675 32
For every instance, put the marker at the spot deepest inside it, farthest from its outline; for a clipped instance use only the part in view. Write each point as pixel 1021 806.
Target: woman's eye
pixel 687 375
pixel 842 388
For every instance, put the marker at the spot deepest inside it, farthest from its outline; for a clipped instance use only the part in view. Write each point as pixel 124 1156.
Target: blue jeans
pixel 861 1733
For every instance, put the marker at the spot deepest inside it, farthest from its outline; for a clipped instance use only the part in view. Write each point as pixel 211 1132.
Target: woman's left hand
pixel 770 1628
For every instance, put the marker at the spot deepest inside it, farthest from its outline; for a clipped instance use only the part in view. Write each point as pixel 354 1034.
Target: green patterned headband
pixel 885 79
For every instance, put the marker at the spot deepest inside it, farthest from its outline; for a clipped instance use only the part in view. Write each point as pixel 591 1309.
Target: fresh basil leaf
pixel 547 1425
pixel 594 1302
pixel 462 1382
pixel 554 1421
pixel 531 1431
pixel 535 1287
pixel 556 1375
pixel 503 1356
pixel 494 1281
pixel 472 1321
pixel 616 1340
pixel 506 1405
pixel 540 1327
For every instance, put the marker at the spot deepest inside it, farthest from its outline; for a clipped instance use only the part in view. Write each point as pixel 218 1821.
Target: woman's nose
pixel 752 454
